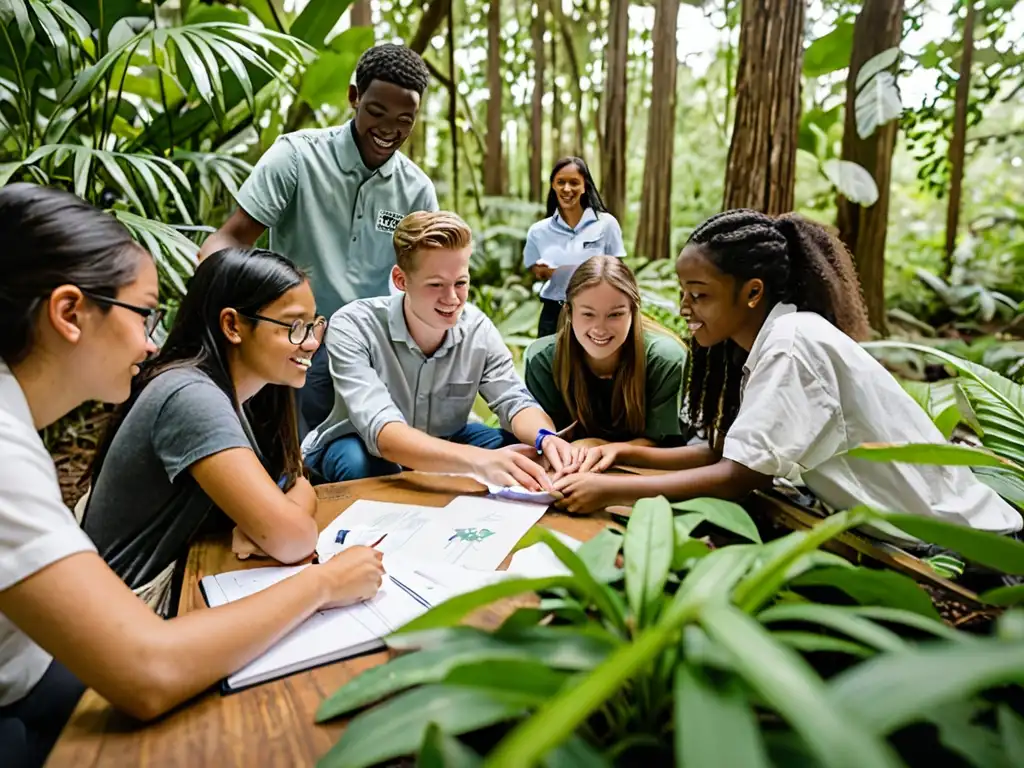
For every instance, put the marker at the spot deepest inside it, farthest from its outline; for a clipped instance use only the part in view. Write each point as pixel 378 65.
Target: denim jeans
pixel 347 458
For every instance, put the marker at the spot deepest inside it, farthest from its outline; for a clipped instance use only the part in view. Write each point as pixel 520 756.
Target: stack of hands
pixel 572 471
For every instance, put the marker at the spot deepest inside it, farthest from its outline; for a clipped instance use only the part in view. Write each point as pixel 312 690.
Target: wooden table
pixel 271 724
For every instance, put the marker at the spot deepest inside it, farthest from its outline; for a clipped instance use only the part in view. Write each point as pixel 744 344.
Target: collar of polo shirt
pixel 349 158
pixel 399 329
pixel 588 216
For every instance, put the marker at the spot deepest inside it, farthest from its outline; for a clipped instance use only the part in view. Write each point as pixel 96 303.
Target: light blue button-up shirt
pixel 330 214
pixel 553 241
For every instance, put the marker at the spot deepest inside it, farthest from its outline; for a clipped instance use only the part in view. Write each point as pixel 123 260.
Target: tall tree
pixel 537 101
pixel 958 143
pixel 654 232
pixel 613 153
pixel 431 19
pixel 556 102
pixel 761 168
pixel 878 28
pixel 493 176
pixel 360 13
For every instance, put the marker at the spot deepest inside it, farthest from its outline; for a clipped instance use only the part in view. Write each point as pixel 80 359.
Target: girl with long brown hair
pixel 606 370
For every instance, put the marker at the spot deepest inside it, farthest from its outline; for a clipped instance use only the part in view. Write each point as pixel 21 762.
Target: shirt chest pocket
pixel 459 390
pixel 593 245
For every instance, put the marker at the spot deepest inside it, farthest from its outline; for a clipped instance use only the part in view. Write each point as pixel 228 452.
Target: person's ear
pixel 398 276
pixel 230 325
pixel 353 96
pixel 753 292
pixel 64 309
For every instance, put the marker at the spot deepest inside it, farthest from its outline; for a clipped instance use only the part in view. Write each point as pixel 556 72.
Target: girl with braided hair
pixel 781 387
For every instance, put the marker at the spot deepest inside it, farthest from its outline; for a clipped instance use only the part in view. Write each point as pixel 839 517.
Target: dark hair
pixel 396 64
pixel 591 197
pixel 800 262
pixel 247 281
pixel 52 238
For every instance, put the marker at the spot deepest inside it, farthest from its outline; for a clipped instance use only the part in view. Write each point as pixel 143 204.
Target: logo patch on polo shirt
pixel 387 221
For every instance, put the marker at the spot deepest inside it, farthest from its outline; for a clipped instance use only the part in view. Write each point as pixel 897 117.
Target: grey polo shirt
pixel 380 374
pixel 330 214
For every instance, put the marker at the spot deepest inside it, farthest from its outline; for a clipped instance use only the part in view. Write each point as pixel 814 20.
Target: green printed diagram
pixel 470 535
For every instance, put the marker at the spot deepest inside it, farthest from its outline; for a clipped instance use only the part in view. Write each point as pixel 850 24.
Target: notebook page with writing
pixel 328 635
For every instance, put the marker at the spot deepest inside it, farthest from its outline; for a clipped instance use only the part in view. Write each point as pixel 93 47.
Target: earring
pixel 751 304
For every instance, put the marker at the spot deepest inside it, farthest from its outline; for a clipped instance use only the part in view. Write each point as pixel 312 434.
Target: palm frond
pixel 175 254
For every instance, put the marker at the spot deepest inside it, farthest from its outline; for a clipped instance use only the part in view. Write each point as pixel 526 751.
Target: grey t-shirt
pixel 145 506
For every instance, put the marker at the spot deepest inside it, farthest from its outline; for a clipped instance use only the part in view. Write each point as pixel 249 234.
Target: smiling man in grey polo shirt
pixel 332 197
pixel 407 369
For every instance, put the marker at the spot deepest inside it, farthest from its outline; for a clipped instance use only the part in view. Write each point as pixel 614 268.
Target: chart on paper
pixel 471 532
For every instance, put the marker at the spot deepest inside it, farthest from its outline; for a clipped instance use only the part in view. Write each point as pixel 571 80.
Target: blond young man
pixel 407 369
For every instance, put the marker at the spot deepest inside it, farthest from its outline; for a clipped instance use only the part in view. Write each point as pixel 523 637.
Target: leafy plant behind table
pixel 990 406
pixel 751 654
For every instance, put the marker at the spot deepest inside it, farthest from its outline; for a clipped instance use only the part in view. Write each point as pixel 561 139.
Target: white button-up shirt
pixel 812 393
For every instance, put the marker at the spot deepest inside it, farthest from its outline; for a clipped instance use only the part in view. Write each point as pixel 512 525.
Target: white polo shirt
pixel 36 530
pixel 811 393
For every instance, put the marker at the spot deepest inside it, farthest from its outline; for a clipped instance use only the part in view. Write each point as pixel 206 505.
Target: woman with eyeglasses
pixel 211 424
pixel 78 299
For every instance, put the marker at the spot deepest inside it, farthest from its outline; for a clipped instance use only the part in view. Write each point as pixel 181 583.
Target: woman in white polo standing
pixel 577 227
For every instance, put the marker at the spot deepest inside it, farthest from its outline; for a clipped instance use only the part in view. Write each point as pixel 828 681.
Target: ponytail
pixel 800 262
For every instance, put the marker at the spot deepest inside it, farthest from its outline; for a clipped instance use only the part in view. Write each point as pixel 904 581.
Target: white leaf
pixel 877 104
pixel 852 181
pixel 876 64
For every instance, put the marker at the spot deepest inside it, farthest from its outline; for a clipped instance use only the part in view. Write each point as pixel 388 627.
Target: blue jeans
pixel 347 458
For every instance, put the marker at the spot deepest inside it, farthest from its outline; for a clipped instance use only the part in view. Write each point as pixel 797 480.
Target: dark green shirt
pixel 665 361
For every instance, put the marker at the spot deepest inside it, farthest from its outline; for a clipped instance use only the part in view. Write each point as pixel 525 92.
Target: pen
pixel 378 541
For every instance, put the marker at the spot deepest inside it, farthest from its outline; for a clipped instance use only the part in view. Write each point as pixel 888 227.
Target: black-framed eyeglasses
pixel 153 315
pixel 298 331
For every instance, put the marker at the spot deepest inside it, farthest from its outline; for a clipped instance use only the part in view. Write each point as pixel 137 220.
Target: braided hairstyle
pixel 394 64
pixel 801 263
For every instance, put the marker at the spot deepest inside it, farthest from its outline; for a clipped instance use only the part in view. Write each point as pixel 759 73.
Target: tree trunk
pixel 360 15
pixel 556 103
pixel 537 105
pixel 565 30
pixel 493 176
pixel 879 27
pixel 957 144
pixel 431 19
pixel 613 154
pixel 654 232
pixel 761 168
pixel 452 106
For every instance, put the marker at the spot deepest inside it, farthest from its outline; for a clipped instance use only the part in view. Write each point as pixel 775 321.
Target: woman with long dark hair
pixel 577 227
pixel 78 302
pixel 212 424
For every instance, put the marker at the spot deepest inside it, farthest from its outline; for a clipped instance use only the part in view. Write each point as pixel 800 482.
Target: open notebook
pixel 339 633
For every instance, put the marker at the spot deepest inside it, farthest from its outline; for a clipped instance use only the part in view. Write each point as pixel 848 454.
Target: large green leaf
pixel 326 80
pixel 317 20
pixel 440 750
pixel 725 514
pixel 452 611
pixel 877 104
pixel 599 555
pixel 764 580
pixel 961 733
pixel 875 65
pixel 940 454
pixel 556 648
pixel 174 253
pixel 704 711
pixel 809 642
pixel 647 550
pixel 398 726
pixel 1011 595
pixel 1002 553
pixel 893 690
pixel 711 578
pixel 1011 728
pixel 998 402
pixel 872 587
pixel 945 402
pixel 836 619
pixel 788 684
pixel 830 52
